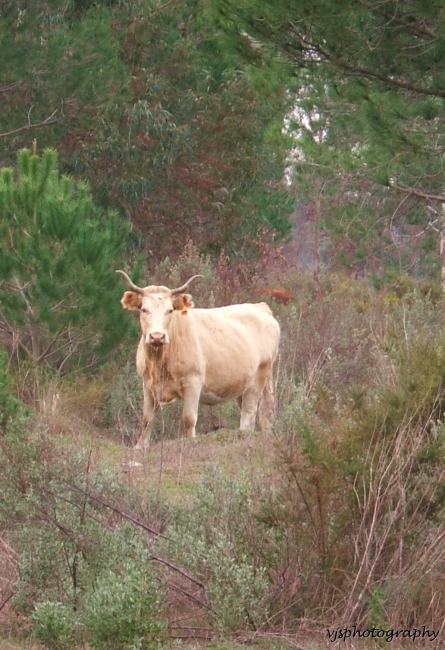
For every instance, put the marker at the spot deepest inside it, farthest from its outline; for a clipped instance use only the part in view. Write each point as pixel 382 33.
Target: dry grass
pixel 8 576
pixel 19 644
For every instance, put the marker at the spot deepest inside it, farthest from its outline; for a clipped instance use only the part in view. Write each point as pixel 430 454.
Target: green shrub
pixel 51 625
pixel 220 541
pixel 122 611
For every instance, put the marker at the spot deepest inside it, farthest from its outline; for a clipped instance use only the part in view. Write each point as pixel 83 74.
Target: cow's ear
pixel 131 300
pixel 183 302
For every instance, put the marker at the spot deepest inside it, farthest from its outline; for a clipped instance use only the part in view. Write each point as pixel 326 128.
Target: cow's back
pixel 254 324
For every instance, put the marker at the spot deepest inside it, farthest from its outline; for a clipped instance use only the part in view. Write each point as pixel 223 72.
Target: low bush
pixel 122 611
pixel 52 625
pixel 219 540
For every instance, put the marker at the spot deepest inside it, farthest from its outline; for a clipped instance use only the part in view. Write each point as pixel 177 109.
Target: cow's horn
pixel 184 286
pixel 130 282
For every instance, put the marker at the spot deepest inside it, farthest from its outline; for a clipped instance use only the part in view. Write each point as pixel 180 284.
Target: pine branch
pixel 363 72
pixel 415 192
pixel 419 30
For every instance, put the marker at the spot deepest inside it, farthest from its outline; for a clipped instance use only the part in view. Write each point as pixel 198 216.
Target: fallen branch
pixel 6 600
pixel 139 523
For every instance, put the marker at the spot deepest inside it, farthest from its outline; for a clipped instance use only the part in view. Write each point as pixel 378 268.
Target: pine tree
pixel 368 82
pixel 59 295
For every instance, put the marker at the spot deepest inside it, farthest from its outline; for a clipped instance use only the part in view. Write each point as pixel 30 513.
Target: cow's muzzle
pixel 157 339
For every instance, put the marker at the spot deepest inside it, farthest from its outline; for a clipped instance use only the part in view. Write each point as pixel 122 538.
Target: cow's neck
pixel 157 356
pixel 156 365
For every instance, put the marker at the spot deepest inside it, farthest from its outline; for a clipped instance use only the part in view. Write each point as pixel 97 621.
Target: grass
pixel 176 467
pixel 174 464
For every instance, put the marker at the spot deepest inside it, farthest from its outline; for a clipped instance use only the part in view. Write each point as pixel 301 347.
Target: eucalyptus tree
pixel 135 98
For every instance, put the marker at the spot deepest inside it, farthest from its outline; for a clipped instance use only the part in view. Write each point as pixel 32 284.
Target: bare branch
pixel 49 120
pixel 7 327
pixel 46 351
pixel 6 600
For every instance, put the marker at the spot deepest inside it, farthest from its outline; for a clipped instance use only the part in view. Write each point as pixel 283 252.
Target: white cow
pixel 202 355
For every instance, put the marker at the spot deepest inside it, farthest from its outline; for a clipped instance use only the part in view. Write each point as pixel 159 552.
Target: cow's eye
pixel 170 311
pixel 144 310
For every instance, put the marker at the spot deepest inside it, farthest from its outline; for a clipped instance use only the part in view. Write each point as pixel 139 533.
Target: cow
pixel 202 355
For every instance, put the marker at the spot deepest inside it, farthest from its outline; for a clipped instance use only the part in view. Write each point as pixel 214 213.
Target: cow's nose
pixel 156 338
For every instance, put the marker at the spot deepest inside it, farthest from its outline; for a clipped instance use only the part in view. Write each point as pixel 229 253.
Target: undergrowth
pixel 347 528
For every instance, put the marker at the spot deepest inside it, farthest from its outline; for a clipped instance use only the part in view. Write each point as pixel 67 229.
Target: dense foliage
pixel 173 113
pixel 369 117
pixel 135 98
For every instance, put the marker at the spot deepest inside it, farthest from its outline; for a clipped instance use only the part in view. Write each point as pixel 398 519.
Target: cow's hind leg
pixel 249 407
pixel 266 409
pixel 251 399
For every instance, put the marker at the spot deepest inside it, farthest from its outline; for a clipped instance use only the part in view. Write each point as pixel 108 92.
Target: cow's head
pixel 156 306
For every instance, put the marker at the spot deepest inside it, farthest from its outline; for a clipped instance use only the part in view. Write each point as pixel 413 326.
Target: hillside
pixel 333 518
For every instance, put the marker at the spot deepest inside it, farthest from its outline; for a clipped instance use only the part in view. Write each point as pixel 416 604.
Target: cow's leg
pixel 251 398
pixel 192 392
pixel 266 409
pixel 147 419
pixel 249 406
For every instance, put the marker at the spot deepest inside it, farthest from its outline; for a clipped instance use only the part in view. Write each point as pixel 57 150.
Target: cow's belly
pixel 215 391
pixel 211 399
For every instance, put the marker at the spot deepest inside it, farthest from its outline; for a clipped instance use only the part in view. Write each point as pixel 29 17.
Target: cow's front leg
pixel 147 419
pixel 192 392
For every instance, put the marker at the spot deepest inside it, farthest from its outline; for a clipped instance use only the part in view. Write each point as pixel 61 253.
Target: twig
pixel 10 86
pixel 49 120
pixel 187 594
pixel 6 600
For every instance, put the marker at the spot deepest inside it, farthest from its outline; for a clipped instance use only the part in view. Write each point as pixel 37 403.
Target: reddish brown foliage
pixel 283 296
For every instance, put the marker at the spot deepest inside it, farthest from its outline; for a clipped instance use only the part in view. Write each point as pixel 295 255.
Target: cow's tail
pixel 267 405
